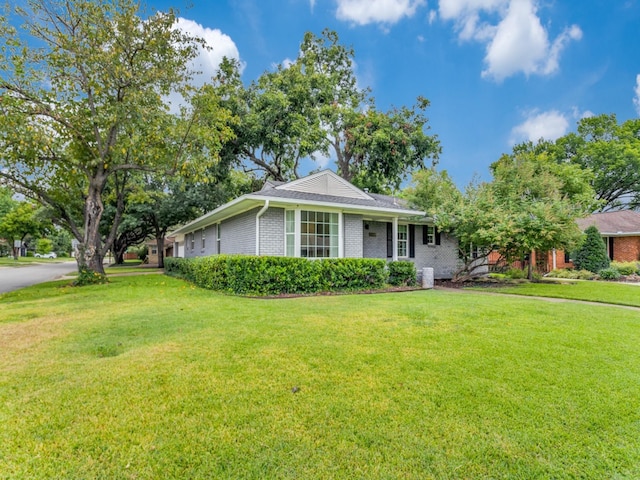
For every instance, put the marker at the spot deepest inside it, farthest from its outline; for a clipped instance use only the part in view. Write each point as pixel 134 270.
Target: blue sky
pixel 496 72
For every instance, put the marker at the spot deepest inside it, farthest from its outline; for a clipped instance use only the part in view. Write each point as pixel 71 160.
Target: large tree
pixel 531 204
pixel 83 86
pixel 609 150
pixel 312 107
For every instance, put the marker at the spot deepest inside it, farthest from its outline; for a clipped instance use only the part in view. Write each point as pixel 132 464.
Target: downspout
pixel 554 261
pixel 260 213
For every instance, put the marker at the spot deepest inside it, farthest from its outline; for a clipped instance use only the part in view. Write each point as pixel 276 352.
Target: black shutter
pixel 389 240
pixel 425 235
pixel 437 233
pixel 412 241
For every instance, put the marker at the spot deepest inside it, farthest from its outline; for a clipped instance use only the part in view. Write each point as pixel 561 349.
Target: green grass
pixel 602 292
pixel 147 377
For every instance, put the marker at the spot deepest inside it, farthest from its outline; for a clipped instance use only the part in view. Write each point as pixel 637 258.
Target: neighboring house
pixel 319 216
pixel 152 249
pixel 620 232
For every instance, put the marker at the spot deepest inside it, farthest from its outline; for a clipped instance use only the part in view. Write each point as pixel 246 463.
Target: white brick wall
pixel 353 239
pixel 272 232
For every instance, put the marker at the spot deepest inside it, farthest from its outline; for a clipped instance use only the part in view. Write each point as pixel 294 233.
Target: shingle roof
pixel 624 222
pixel 378 201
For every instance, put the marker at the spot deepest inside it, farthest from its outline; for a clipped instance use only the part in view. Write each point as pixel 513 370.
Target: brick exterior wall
pixel 626 249
pixel 353 236
pixel 238 234
pixel 442 258
pixel 272 232
pixel 374 244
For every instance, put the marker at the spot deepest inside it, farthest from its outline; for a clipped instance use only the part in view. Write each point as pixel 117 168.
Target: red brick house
pixel 620 232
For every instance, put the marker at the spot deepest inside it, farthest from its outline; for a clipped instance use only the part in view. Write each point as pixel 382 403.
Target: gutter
pixel 258 215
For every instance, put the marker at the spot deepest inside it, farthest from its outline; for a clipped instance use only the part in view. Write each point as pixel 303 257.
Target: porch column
pixel 394 234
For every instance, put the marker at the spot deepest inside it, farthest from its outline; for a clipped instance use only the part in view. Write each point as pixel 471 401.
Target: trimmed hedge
pixel 251 275
pixel 402 273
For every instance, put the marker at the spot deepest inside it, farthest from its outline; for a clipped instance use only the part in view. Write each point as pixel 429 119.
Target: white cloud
pixel 433 15
pixel 312 4
pixel 208 61
pixel 549 125
pixel 516 40
pixel 636 99
pixel 364 12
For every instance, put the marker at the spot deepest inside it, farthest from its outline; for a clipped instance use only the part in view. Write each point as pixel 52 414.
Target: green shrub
pixel 609 274
pixel 89 277
pixel 572 274
pixel 402 273
pixel 516 273
pixel 251 275
pixel 625 268
pixel 592 253
pixel 584 275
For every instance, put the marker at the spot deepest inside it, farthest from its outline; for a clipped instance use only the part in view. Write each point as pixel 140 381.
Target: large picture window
pixel 317 234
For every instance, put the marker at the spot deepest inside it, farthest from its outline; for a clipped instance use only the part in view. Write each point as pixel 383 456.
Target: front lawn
pixel 148 377
pixel 603 292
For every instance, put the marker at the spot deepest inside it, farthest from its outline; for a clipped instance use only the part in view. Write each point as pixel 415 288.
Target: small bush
pixel 89 277
pixel 625 268
pixel 609 274
pixel 402 273
pixel 572 274
pixel 516 273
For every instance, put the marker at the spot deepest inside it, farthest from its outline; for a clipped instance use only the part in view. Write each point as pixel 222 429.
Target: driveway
pixel 13 278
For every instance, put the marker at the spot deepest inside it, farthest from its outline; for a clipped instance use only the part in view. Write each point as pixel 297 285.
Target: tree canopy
pixel 531 204
pixel 312 108
pixel 83 87
pixel 609 150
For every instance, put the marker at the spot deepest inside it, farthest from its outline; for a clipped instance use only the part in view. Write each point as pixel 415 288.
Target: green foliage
pixel 83 91
pixel 609 273
pixel 251 275
pixel 516 273
pixel 592 253
pixel 44 245
pixel 89 277
pixel 605 150
pixel 142 251
pixel 571 274
pixel 61 242
pixel 626 268
pixel 313 106
pixel 402 273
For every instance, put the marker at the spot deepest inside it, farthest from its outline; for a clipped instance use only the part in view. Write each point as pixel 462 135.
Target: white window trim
pixel 433 235
pixel 203 240
pixel 297 244
pixel 405 241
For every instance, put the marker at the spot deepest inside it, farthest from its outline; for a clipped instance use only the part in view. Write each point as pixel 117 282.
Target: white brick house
pixel 319 216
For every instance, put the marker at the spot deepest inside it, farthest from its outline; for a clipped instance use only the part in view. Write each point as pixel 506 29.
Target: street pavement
pixel 14 278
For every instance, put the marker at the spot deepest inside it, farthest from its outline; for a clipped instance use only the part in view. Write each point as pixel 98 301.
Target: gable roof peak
pixel 325 182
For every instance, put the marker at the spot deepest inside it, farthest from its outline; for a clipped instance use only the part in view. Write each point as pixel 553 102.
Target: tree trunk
pixel 90 255
pixel 532 259
pixel 160 246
